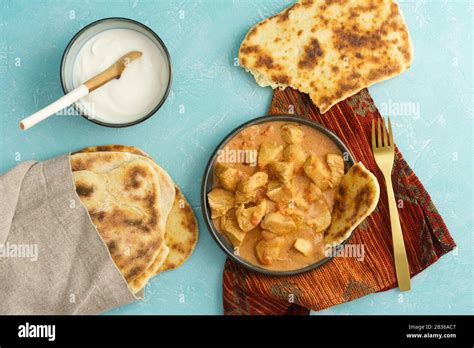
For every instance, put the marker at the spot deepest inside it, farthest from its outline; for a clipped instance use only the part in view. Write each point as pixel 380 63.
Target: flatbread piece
pixel 329 49
pixel 122 195
pixel 182 230
pixel 356 198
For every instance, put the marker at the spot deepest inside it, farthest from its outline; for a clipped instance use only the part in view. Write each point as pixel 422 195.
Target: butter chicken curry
pixel 273 193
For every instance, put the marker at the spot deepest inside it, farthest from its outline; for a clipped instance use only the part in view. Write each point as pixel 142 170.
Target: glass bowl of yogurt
pixel 144 85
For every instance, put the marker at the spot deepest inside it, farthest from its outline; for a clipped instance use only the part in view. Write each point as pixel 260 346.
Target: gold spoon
pixel 112 72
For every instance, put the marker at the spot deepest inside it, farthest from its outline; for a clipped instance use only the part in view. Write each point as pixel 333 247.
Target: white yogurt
pixel 139 89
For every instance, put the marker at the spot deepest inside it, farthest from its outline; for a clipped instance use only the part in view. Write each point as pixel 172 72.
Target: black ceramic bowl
pixel 92 29
pixel 207 184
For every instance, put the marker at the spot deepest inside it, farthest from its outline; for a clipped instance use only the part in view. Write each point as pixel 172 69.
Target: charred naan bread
pixel 122 194
pixel 139 283
pixel 167 184
pixel 182 230
pixel 167 197
pixel 181 233
pixel 328 49
pixel 356 198
pixel 115 148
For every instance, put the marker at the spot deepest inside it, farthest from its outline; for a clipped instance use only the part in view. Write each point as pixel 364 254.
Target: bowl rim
pixel 207 178
pixel 165 51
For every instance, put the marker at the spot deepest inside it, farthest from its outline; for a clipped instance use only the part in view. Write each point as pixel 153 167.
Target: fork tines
pixel 377 141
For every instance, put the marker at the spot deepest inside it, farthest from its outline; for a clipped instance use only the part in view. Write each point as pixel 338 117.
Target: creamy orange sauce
pixel 314 143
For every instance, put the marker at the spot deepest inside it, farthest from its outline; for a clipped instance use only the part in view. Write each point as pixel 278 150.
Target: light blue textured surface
pixel 211 96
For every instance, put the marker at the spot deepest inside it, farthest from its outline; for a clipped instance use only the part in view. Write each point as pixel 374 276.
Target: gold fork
pixel 384 155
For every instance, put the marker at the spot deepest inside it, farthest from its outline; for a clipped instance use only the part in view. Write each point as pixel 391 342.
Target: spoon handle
pixel 58 105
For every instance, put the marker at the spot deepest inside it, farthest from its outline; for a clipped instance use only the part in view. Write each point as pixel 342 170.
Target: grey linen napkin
pixel 52 260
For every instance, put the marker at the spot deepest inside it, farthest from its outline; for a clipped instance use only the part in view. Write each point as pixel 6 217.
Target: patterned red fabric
pixel 344 278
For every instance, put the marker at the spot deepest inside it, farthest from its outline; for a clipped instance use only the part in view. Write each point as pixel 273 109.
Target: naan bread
pixel 181 233
pixel 356 198
pixel 180 238
pixel 182 230
pixel 122 194
pixel 139 283
pixel 328 49
pixel 115 148
pixel 167 184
